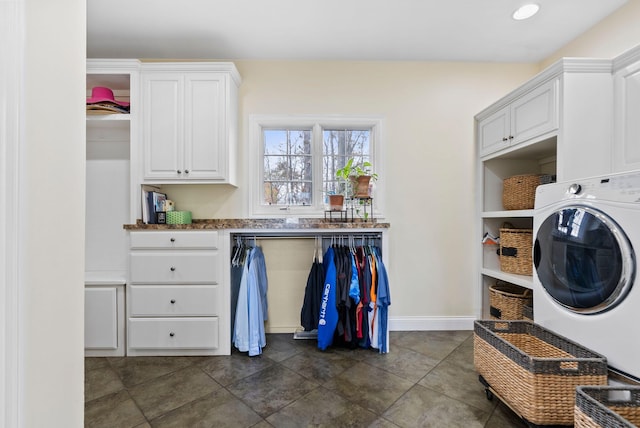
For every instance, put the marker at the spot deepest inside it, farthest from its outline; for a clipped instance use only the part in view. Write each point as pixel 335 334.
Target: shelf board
pixel 522 280
pixel 108 117
pixel 101 122
pixel 507 213
pixel 105 278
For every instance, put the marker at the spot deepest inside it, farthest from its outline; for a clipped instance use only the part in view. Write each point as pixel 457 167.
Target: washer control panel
pixel 574 189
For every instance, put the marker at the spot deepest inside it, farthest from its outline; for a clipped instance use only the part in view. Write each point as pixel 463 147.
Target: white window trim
pixel 12 372
pixel 316 124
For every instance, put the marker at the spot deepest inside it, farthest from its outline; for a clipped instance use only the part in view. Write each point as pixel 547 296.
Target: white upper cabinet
pixel 189 122
pixel 531 115
pixel 626 142
pixel 571 102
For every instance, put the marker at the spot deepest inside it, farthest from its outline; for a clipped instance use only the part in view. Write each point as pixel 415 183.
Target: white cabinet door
pixel 626 149
pixel 494 132
pixel 204 150
pixel 163 125
pixel 535 113
pixel 100 318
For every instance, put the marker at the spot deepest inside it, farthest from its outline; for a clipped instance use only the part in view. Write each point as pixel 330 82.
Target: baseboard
pixel 430 323
pixel 407 324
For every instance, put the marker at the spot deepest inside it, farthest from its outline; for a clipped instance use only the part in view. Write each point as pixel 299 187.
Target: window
pixel 294 160
pixel 340 145
pixel 288 168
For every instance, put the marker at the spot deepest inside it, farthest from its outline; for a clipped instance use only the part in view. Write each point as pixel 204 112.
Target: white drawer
pixel 173 333
pixel 168 239
pixel 174 267
pixel 174 300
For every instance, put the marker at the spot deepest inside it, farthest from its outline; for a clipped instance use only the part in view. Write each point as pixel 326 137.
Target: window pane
pixel 287 167
pixel 340 145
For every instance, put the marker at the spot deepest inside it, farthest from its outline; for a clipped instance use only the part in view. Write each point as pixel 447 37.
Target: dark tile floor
pixel 427 380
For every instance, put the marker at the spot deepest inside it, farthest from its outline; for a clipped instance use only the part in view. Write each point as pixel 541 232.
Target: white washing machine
pixel 585 282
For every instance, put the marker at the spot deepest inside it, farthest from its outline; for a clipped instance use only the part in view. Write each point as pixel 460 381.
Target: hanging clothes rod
pixel 323 235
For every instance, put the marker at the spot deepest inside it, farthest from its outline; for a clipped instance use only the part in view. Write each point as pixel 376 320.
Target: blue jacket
pixel 383 302
pixel 249 335
pixel 328 319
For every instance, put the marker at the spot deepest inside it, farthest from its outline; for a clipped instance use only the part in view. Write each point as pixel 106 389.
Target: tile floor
pixel 427 380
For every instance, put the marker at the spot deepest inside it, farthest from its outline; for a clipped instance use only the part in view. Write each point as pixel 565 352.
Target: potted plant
pixel 336 202
pixel 357 178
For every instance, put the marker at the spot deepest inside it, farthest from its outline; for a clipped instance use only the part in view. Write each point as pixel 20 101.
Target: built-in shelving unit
pixel 555 124
pixel 110 150
pixel 537 158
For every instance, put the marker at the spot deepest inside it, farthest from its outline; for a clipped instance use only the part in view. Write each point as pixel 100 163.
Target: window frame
pixel 317 124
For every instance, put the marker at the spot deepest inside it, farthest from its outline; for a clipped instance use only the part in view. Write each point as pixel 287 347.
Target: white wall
pixel 429 151
pixel 52 214
pixel 614 35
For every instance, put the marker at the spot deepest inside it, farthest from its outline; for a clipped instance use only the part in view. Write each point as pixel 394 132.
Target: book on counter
pixel 152 203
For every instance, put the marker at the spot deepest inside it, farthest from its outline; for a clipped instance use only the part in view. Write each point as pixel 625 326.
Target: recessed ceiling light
pixel 526 11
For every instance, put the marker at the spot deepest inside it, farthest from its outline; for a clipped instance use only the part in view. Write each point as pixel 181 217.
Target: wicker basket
pixel 607 407
pixel 515 251
pixel 519 191
pixel 527 312
pixel 534 370
pixel 507 301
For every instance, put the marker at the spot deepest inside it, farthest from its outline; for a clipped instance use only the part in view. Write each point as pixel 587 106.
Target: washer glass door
pixel 583 259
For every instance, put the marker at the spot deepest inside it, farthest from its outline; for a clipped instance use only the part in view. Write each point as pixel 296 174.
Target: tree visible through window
pixel 288 171
pixel 338 147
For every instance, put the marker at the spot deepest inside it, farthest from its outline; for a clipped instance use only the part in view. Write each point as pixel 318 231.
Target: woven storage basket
pixel 607 407
pixel 534 370
pixel 519 191
pixel 507 301
pixel 515 251
pixel 527 311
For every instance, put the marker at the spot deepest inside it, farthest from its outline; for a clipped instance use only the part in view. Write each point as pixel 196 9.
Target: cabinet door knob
pixel 173 240
pixel 511 137
pixel 186 171
pixel 172 268
pixel 505 139
pixel 179 172
pixel 173 301
pixel 172 334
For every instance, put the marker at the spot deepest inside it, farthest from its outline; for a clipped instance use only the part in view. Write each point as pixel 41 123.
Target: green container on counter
pixel 178 217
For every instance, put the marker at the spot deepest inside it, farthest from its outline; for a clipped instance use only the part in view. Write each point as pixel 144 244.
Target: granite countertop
pixel 270 223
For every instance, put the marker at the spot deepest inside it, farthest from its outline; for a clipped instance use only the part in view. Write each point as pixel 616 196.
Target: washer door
pixel 583 259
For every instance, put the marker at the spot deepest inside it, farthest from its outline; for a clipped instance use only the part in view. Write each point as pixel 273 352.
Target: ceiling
pixel 385 30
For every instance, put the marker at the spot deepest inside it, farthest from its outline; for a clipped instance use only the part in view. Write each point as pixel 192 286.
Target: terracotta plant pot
pixel 336 202
pixel 361 189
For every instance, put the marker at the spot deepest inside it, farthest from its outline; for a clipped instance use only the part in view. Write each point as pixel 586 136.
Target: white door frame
pixel 11 108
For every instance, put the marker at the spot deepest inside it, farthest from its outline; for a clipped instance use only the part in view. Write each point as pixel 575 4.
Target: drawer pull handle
pixel 172 268
pixel 172 334
pixel 173 301
pixel 173 239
